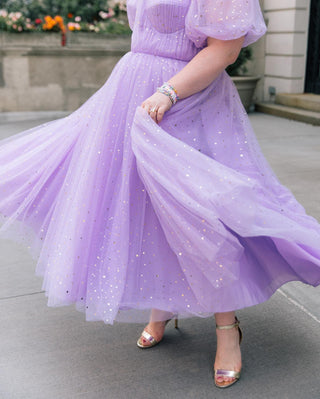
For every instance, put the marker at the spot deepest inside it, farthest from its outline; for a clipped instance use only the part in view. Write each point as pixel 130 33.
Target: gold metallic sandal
pixel 228 373
pixel 150 338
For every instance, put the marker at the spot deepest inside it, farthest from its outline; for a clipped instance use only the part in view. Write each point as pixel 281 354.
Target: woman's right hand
pixel 156 106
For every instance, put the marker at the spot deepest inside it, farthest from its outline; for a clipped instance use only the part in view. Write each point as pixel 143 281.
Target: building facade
pixel 288 57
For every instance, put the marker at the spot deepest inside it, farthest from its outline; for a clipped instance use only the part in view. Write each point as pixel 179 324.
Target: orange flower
pixel 47 18
pixel 73 26
pixel 59 19
pixel 51 22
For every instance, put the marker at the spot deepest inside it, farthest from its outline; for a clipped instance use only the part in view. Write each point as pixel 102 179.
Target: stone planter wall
pixel 37 74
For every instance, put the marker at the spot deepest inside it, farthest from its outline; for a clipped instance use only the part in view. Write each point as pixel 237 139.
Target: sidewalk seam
pixel 298 305
pixel 21 295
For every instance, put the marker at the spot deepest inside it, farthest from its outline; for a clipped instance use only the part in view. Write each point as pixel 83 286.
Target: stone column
pixel 286 45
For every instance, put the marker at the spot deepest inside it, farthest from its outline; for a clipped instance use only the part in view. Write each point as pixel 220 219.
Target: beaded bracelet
pixel 169 91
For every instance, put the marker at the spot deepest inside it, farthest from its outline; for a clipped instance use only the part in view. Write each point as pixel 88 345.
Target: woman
pixel 170 205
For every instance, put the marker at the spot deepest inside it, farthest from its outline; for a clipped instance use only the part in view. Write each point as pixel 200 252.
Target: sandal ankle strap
pixel 229 326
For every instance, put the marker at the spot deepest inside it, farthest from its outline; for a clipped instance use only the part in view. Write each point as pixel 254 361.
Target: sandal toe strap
pixel 227 373
pixel 148 337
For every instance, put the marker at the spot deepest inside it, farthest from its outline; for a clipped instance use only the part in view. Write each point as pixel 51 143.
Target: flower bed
pixel 110 20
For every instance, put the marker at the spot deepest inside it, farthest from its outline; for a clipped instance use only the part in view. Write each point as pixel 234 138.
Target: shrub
pixel 87 10
pixel 239 67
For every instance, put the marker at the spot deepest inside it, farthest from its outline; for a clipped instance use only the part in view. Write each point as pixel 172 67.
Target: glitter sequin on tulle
pixel 124 215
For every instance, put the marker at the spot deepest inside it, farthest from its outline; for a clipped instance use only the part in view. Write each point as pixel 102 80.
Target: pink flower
pixel 20 28
pixel 15 16
pixel 103 15
pixel 111 12
pixel 77 19
pixel 73 26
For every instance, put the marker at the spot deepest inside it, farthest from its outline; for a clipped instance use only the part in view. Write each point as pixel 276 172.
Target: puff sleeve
pixel 224 20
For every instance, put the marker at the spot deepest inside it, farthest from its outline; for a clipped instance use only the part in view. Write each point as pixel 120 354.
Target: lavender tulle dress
pixel 124 215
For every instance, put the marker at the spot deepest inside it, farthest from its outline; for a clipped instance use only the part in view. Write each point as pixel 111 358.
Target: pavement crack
pixel 298 305
pixel 21 295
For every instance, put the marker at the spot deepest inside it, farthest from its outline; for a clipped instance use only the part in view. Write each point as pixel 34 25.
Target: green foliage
pixel 30 8
pixel 87 10
pixel 116 28
pixel 239 67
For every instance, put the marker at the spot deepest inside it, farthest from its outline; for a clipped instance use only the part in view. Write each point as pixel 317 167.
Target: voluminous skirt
pixel 124 215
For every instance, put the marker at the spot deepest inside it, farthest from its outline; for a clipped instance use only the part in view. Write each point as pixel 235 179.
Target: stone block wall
pixel 37 74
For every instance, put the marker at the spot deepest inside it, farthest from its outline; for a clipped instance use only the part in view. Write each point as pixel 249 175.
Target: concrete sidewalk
pixel 53 353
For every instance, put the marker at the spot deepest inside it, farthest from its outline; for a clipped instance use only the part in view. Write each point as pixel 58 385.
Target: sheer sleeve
pixel 224 20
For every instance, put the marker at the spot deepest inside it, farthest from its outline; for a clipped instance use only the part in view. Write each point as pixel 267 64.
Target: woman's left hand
pixel 157 105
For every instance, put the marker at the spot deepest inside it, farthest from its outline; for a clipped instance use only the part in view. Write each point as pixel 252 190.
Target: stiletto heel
pixel 228 373
pixel 150 338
